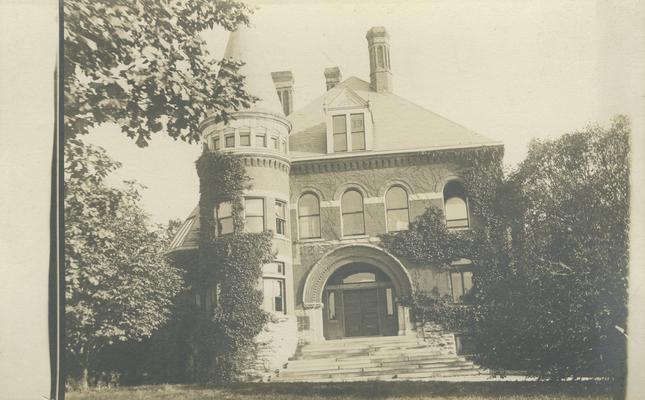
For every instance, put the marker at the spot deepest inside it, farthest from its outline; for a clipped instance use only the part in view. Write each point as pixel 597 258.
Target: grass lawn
pixel 362 390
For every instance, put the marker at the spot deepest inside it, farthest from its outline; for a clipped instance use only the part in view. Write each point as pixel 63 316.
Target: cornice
pixel 212 120
pixel 374 160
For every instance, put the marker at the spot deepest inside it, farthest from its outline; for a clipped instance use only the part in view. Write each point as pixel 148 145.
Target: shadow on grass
pixel 439 389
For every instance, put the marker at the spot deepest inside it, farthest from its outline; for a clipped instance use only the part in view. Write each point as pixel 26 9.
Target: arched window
pixel 309 216
pixel 455 205
pixel 396 208
pixel 352 210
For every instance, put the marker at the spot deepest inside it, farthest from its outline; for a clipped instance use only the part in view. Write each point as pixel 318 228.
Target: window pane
pixel 254 224
pixel 273 295
pixel 358 141
pixel 353 224
pixel 308 205
pixel 397 220
pixel 274 143
pixel 389 302
pixel 245 139
pixel 331 306
pixel 226 225
pixel 339 124
pixel 340 142
pixel 360 277
pixel 254 207
pixel 456 210
pixel 284 146
pixel 396 198
pixel 229 140
pixel 260 140
pixel 225 209
pixel 358 123
pixel 457 288
pixel 468 281
pixel 352 201
pixel 309 226
pixel 216 143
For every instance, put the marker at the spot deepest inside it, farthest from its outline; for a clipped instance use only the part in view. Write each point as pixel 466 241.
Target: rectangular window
pixel 260 140
pixel 331 306
pixel 216 143
pixel 340 133
pixel 245 138
pixel 254 215
pixel 389 302
pixel 280 217
pixel 214 292
pixel 358 131
pixel 284 146
pixel 462 283
pixel 224 215
pixel 229 140
pixel 274 142
pixel 273 292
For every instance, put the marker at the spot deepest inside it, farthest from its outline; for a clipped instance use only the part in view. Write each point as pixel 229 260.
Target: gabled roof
pixel 398 124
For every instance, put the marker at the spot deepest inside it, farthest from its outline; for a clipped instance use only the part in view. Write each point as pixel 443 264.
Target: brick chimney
pixel 332 77
pixel 283 81
pixel 378 44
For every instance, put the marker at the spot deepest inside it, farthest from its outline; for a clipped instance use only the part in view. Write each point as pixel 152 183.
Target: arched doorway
pixel 359 300
pixel 359 275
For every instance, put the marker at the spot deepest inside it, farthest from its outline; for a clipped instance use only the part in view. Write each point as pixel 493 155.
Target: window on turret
pixel 309 216
pixel 396 205
pixel 340 133
pixel 216 143
pixel 274 299
pixel 274 142
pixel 229 140
pixel 224 215
pixel 358 131
pixel 280 217
pixel 352 212
pixel 253 215
pixel 245 138
pixel 260 140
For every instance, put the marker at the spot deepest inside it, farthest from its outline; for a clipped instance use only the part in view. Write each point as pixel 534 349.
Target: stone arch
pixel 350 185
pixel 352 253
pixel 394 182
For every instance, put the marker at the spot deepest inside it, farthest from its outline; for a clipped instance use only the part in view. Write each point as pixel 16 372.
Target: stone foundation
pixel 275 344
pixel 437 338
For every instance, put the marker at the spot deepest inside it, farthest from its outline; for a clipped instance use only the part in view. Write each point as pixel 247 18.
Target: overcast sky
pixel 510 70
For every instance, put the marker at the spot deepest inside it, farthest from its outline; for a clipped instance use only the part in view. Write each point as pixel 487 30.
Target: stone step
pixel 383 375
pixel 371 341
pixel 371 364
pixel 438 366
pixel 416 356
pixel 374 347
pixel 361 361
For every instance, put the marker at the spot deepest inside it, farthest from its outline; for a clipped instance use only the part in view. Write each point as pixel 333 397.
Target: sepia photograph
pixel 258 199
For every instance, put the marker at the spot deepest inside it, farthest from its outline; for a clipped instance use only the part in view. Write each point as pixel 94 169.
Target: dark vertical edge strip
pixel 56 248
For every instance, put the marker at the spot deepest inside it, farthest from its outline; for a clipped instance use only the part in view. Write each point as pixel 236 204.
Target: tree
pixel 572 230
pixel 142 65
pixel 119 286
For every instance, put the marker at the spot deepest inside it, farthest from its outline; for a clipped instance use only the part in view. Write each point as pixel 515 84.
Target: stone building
pixel 328 178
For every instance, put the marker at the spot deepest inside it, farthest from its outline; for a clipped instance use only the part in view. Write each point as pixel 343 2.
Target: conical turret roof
pixel 245 44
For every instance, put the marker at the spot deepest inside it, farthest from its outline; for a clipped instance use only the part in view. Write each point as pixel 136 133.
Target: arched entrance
pixel 353 291
pixel 358 300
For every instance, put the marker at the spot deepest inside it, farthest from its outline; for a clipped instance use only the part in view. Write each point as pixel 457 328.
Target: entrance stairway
pixel 375 358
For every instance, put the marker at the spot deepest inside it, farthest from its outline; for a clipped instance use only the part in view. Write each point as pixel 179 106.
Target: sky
pixel 509 70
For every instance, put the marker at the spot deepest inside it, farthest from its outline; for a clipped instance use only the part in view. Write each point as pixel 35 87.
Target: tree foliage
pixel 143 65
pixel 572 254
pixel 118 284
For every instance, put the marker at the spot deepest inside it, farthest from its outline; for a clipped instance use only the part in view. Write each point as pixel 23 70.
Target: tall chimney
pixel 332 77
pixel 378 44
pixel 283 81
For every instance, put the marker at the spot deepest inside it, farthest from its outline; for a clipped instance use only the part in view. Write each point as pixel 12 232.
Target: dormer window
pixel 349 123
pixel 340 133
pixel 358 131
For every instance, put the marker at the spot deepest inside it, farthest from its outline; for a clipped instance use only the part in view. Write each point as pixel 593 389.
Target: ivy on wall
pixel 232 266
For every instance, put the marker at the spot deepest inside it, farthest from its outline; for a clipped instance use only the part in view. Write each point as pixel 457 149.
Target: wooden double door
pixel 359 310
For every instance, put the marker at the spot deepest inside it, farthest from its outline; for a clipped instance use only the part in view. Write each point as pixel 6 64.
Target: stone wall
pixel 275 344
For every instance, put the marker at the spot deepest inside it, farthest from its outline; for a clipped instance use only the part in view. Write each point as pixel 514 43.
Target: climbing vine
pixel 231 265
